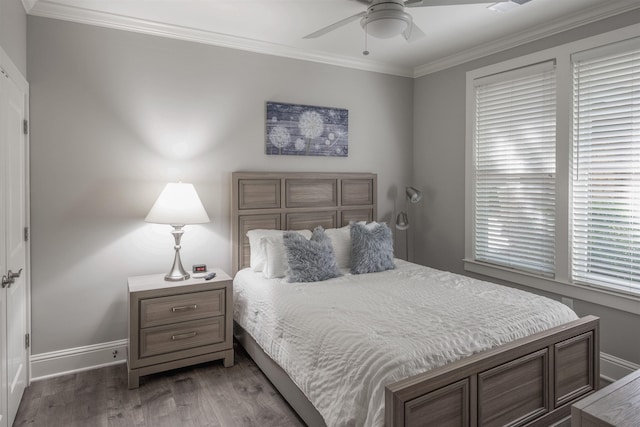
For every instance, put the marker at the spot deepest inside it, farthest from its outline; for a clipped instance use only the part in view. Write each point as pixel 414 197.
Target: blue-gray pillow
pixel 371 248
pixel 310 260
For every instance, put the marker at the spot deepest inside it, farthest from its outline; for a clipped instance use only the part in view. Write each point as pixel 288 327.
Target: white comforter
pixel 342 340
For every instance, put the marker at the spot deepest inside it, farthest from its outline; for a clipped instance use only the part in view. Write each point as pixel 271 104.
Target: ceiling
pixel 453 34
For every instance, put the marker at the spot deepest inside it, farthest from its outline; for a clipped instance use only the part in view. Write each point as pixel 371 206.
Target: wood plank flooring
pixel 203 395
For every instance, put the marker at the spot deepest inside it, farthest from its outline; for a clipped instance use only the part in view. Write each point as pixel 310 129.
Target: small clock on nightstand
pixel 176 324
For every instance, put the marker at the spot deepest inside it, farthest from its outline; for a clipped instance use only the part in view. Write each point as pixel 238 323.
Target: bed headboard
pixel 295 201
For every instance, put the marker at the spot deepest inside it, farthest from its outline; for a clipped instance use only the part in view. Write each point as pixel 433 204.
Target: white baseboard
pixel 62 362
pixel 613 368
pixel 71 360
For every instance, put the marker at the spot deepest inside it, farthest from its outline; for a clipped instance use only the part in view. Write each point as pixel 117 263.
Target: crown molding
pixel 588 16
pixel 52 9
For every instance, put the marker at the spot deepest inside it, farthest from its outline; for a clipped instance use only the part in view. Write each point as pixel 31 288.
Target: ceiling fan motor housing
pixel 386 19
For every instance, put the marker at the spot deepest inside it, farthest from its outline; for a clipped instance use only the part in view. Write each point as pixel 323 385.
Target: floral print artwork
pixel 304 130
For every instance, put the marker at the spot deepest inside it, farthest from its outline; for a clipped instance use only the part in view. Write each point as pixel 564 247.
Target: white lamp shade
pixel 402 221
pixel 178 204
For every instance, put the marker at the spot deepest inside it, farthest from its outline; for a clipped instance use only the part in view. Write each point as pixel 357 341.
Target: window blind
pixel 515 169
pixel 606 167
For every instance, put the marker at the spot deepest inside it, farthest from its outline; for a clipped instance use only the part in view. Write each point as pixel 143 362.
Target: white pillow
pixel 258 256
pixel 276 256
pixel 341 242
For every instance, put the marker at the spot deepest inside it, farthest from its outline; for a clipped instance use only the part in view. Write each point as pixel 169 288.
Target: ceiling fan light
pixel 505 6
pixel 386 24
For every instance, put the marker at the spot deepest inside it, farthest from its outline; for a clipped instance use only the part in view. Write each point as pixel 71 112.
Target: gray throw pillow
pixel 310 260
pixel 371 248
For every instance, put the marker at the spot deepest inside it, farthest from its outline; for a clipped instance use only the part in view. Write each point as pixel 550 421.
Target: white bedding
pixel 342 340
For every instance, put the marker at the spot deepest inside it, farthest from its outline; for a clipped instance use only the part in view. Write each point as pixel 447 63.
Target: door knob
pixel 10 278
pixel 14 276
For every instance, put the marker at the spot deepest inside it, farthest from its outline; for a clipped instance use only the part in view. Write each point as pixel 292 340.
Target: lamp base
pixel 177 272
pixel 171 277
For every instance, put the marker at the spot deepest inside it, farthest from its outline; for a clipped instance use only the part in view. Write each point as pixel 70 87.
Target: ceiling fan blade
pixel 413 33
pixel 334 26
pixel 427 3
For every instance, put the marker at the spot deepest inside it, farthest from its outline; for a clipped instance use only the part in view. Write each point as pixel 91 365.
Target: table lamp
pixel 178 205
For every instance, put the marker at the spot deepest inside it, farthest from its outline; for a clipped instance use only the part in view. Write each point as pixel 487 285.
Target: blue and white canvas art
pixel 305 130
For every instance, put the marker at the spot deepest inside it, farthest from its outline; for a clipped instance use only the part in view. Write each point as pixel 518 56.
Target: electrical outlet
pixel 115 353
pixel 568 302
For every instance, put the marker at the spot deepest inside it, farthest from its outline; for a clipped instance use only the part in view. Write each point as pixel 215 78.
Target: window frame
pixel 560 284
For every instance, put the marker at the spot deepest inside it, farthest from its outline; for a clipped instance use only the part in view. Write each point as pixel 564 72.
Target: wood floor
pixel 204 395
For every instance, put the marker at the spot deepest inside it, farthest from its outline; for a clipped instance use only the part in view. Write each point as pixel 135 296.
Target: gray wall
pixel 116 115
pixel 439 169
pixel 13 32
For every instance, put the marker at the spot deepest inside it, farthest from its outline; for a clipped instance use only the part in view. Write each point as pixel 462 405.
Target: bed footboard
pixel 529 382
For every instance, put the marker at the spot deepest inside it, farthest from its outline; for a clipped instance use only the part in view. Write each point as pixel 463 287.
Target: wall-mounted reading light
pixel 402 220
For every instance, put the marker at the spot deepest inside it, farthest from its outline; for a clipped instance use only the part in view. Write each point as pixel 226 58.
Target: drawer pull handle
pixel 184 336
pixel 184 308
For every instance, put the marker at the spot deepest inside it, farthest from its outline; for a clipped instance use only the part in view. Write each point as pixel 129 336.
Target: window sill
pixel 628 303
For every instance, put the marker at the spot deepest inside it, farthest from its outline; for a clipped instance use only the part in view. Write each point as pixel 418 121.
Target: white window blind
pixel 515 169
pixel 606 167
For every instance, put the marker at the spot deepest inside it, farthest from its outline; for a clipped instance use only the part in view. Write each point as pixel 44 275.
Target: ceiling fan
pixel 387 18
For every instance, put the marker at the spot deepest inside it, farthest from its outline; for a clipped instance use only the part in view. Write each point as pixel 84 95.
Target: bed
pixel 515 377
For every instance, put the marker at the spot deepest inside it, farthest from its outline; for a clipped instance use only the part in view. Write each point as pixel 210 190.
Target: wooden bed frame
pixel 529 382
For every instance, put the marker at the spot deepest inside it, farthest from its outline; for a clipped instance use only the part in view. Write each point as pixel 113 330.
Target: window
pixel 553 154
pixel 515 143
pixel 606 167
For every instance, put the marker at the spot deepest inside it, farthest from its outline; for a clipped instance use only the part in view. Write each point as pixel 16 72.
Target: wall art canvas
pixel 305 130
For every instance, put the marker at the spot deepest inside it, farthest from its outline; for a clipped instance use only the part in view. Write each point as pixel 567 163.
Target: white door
pixel 15 293
pixel 3 259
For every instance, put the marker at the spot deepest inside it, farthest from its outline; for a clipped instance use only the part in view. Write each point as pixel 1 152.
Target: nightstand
pixel 617 404
pixel 176 324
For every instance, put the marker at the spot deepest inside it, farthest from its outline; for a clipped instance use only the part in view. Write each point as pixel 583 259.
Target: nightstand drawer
pixel 181 308
pixel 170 338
